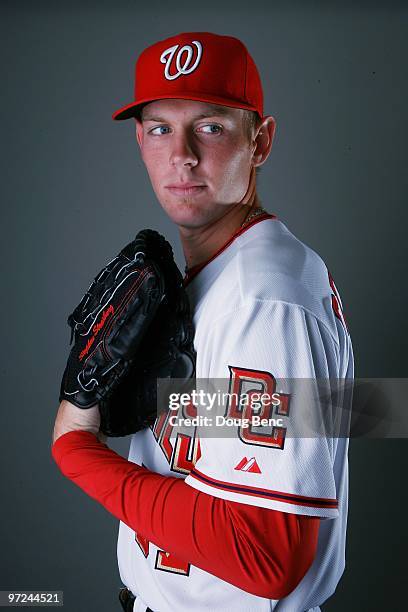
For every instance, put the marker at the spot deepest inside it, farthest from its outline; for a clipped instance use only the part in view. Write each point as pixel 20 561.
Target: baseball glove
pixel 132 327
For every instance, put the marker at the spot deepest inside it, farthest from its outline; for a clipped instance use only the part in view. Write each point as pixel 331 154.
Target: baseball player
pixel 255 518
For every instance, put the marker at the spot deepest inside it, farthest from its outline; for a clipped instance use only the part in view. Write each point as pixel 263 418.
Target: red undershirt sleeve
pixel 262 551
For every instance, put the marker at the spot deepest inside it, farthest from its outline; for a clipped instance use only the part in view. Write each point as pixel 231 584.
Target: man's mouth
pixel 185 189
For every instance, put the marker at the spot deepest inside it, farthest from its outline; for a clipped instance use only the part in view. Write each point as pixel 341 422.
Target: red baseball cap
pixel 196 66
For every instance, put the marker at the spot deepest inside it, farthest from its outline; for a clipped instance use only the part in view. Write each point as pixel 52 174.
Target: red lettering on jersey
pixel 336 302
pixel 170 563
pixel 282 409
pixel 164 561
pixel 189 411
pixel 186 450
pixel 165 442
pixel 261 402
pixel 186 453
pixel 159 424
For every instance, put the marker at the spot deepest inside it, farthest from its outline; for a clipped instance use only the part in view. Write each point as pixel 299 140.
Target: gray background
pixel 74 191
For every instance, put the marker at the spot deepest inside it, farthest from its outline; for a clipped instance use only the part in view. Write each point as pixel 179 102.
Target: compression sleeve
pixel 262 551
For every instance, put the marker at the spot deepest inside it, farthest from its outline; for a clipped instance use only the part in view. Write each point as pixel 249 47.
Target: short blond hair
pixel 251 122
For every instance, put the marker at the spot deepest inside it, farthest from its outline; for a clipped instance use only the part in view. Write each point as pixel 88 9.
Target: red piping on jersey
pixel 288 498
pixel 261 551
pixel 192 272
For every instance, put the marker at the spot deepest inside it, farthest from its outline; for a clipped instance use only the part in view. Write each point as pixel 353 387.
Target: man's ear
pixel 139 132
pixel 264 135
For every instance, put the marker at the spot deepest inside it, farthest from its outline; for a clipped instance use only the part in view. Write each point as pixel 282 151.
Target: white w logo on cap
pixel 167 57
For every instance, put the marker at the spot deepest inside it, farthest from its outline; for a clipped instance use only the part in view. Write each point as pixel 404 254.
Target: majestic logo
pixel 248 465
pixel 185 68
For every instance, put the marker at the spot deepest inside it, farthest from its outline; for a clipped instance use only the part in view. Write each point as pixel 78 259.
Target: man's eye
pixel 211 128
pixel 159 127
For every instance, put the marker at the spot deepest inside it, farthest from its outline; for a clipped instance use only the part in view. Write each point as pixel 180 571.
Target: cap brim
pixel 126 112
pixel 131 110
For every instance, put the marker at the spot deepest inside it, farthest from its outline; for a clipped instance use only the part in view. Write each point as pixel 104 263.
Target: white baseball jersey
pixel 265 310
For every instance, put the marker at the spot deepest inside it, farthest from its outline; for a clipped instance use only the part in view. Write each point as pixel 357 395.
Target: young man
pixel 256 519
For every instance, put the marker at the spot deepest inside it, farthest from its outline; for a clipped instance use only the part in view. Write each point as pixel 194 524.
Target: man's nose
pixel 182 151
